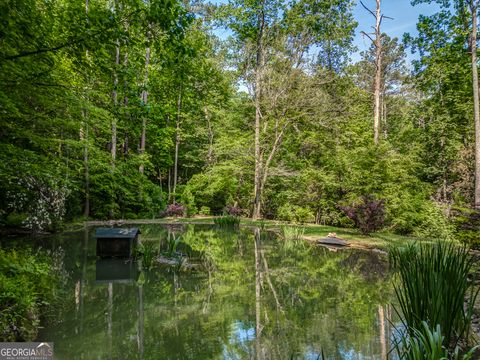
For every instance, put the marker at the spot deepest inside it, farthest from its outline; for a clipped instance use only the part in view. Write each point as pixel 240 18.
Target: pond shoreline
pixel 376 242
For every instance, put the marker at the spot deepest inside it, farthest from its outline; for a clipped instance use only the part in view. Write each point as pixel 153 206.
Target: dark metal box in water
pixel 116 242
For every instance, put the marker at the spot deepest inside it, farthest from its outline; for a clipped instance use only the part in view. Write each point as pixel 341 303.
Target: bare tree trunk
pixel 476 105
pixel 144 97
pixel 257 203
pixel 115 104
pixel 169 183
pixel 210 138
pixel 378 74
pixel 177 143
pixel 86 210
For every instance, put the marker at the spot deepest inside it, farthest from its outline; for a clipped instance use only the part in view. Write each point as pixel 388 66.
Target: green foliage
pixel 29 285
pixel 295 214
pixel 204 210
pixel 432 286
pixel 435 225
pixel 292 233
pixel 188 200
pixel 148 252
pixel 228 221
pixel 428 344
pixel 467 224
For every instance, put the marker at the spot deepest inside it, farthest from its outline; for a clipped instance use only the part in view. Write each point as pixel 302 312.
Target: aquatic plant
pixel 427 344
pixel 227 221
pixel 292 233
pixel 432 286
pixel 148 252
pixel 172 244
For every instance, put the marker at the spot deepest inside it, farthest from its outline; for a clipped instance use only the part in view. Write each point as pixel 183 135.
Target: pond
pixel 255 296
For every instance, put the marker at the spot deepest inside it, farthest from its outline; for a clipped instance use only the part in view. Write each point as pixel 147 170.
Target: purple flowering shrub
pixel 233 211
pixel 174 210
pixel 368 216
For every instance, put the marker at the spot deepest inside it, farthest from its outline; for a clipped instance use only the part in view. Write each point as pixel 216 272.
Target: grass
pixel 380 240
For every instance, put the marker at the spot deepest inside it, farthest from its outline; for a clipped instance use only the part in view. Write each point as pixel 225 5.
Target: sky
pixel 404 16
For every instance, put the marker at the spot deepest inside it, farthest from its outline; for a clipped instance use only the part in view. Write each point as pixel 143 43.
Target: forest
pixel 131 109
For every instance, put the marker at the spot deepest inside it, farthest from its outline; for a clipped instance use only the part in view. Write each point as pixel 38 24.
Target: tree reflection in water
pixel 254 297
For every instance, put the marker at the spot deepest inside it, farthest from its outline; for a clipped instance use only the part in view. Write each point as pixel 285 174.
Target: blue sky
pixel 404 16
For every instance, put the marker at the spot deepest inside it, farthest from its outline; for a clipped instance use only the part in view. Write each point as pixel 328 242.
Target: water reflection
pixel 253 297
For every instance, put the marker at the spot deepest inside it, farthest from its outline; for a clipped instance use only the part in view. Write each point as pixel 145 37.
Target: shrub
pixel 295 214
pixel 188 200
pixel 435 225
pixel 467 223
pixel 29 283
pixel 204 210
pixel 174 210
pixel 433 285
pixel 227 221
pixel 233 211
pixel 368 216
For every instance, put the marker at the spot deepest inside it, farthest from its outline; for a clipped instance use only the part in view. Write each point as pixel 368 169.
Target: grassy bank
pixel 379 240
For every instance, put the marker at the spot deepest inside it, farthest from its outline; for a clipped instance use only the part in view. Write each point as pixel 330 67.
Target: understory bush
pixel 435 225
pixel 432 286
pixel 233 211
pixel 368 215
pixel 467 224
pixel 29 285
pixel 295 214
pixel 174 210
pixel 204 210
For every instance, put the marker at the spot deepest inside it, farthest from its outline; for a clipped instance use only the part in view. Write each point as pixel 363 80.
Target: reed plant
pixel 292 233
pixel 432 286
pixel 428 344
pixel 148 252
pixel 227 221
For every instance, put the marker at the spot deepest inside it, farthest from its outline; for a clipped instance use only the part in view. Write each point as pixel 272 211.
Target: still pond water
pixel 254 297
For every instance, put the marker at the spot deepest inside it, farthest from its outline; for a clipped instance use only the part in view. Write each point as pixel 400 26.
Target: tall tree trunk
pixel 378 75
pixel 144 98
pixel 177 144
pixel 257 203
pixel 115 104
pixel 86 210
pixel 476 105
pixel 210 137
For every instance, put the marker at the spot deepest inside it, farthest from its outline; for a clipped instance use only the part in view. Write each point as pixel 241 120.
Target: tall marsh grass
pixel 292 233
pixel 227 221
pixel 432 286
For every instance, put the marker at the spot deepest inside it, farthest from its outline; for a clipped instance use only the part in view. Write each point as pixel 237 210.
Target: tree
pixel 377 42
